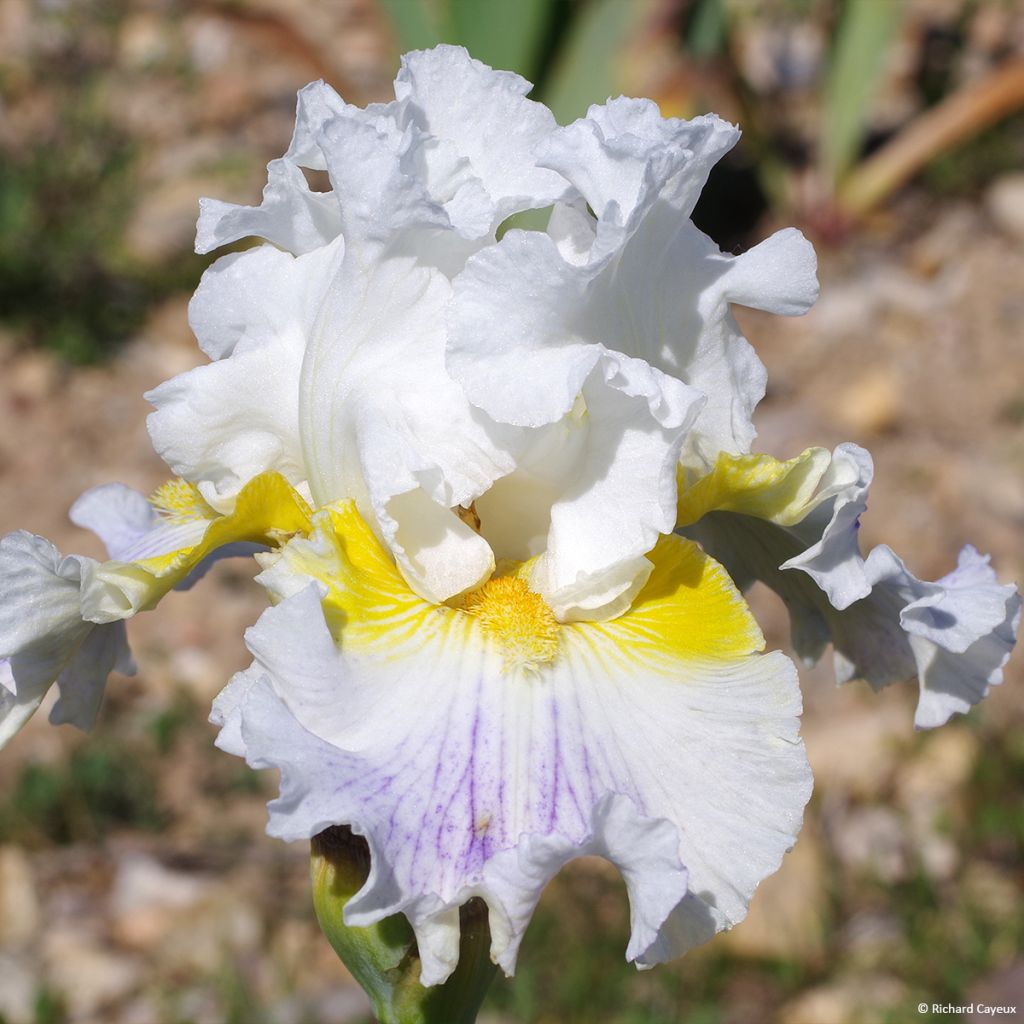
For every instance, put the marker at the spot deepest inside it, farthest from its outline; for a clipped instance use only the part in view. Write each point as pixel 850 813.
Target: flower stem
pixel 383 957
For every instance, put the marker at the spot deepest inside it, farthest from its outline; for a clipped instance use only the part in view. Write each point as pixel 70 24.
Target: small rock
pixel 87 976
pixel 18 987
pixel 143 39
pixel 855 753
pixel 872 840
pixel 197 669
pixel 871 404
pixel 225 924
pixel 943 242
pixel 148 899
pixel 943 765
pixel 19 905
pixel 788 911
pixel 1004 201
pixel 992 891
pixel 870 937
pixel 856 1000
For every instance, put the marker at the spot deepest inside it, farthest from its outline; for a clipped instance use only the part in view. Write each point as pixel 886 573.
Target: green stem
pixel 383 957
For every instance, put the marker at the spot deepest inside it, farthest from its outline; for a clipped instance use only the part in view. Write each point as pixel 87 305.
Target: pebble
pixel 855 1000
pixel 855 751
pixel 1004 201
pixel 872 840
pixel 148 899
pixel 19 904
pixel 871 404
pixel 88 977
pixel 18 990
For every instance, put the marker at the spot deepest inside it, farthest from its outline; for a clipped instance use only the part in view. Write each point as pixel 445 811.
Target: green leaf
pixel 709 29
pixel 416 23
pixel 507 34
pixel 588 68
pixel 866 30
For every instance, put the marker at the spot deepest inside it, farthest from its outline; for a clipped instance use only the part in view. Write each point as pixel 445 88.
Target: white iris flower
pixel 504 500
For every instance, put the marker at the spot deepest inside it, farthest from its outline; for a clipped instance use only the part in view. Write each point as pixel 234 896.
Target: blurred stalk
pixel 957 118
pixel 383 957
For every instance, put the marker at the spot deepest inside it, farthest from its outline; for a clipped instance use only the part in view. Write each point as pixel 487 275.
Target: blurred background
pixel 136 885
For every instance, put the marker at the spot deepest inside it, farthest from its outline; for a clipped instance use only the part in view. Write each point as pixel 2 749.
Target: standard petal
pixel 525 314
pixel 623 157
pixel 519 317
pixel 659 740
pixel 485 115
pixel 620 493
pixel 228 421
pixel 291 215
pixel 384 424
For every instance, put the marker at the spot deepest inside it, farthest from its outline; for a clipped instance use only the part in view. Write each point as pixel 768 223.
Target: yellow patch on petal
pixel 689 609
pixel 756 485
pixel 367 599
pixel 180 501
pixel 268 511
pixel 518 619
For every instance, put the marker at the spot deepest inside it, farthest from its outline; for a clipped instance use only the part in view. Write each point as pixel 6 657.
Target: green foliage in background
pixel 68 189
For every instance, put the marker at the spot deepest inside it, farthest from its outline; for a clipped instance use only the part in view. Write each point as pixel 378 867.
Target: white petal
pixel 832 557
pixel 623 157
pixel 291 215
pixel 467 780
pixel 383 423
pixel 779 275
pixel 260 296
pixel 621 493
pixel 954 635
pixel 231 420
pixel 44 639
pixel 129 526
pixel 383 194
pixel 526 316
pixel 961 630
pixel 83 679
pixel 487 118
pixel 519 317
pixel 40 615
pixel 316 105
pixel 439 555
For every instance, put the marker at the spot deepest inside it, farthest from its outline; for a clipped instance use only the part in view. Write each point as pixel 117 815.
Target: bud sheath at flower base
pixel 383 957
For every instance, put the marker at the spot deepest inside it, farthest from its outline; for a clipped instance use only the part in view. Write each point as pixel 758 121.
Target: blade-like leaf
pixel 506 34
pixel 416 23
pixel 588 69
pixel 866 30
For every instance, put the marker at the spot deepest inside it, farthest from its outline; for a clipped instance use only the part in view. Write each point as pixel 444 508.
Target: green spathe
pixel 383 957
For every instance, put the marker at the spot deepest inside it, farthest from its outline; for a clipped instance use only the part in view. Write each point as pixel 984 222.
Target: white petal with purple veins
pixel 470 774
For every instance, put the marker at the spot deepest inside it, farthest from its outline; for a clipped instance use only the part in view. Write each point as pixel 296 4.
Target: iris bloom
pixel 503 496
